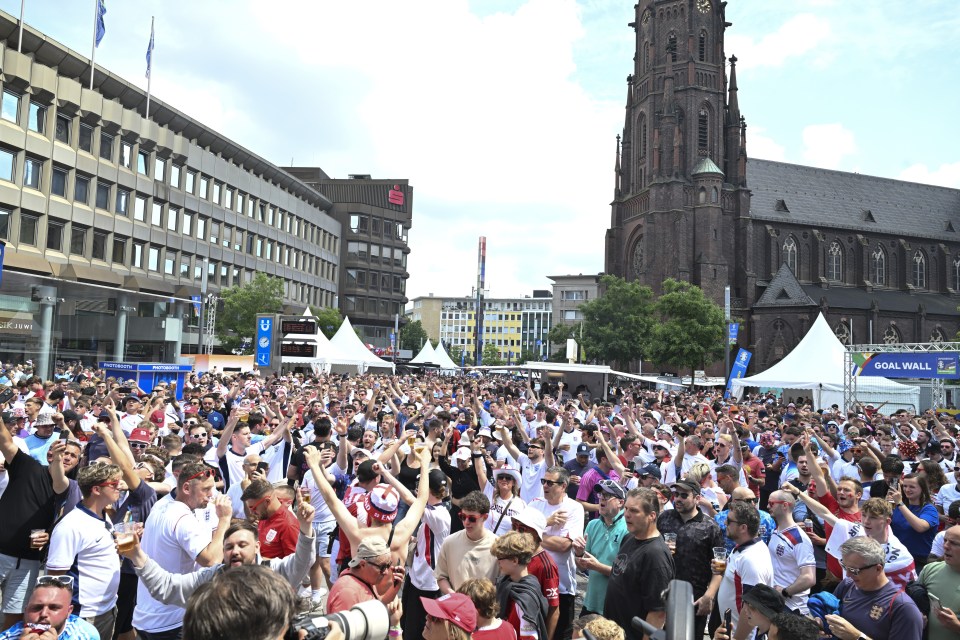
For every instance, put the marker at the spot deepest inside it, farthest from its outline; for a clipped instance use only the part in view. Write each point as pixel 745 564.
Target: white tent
pixel 442 359
pixel 425 356
pixel 327 353
pixel 347 343
pixel 816 364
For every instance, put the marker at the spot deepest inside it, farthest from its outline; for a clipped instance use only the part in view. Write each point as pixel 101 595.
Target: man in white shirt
pixel 235 445
pixel 791 552
pixel 533 464
pixel 130 418
pixel 565 521
pixel 748 565
pixel 82 546
pixel 180 543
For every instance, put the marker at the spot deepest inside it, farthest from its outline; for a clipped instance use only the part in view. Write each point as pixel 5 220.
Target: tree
pixel 617 325
pixel 528 355
pixel 413 336
pixel 560 332
pixel 328 320
pixel 456 351
pixel 690 330
pixel 491 355
pixel 236 325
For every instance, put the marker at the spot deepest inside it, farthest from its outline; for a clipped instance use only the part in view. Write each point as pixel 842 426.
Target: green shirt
pixel 943 582
pixel 603 543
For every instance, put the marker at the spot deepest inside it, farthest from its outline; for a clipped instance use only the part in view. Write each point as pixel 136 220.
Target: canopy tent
pixel 345 340
pixel 442 359
pixel 425 356
pixel 327 353
pixel 816 364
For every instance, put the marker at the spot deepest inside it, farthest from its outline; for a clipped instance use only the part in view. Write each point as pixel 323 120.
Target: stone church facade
pixel 880 258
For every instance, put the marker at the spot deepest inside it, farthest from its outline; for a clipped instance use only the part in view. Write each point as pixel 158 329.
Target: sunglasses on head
pixel 56 581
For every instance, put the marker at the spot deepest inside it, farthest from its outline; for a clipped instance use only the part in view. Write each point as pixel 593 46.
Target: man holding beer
pixel 83 544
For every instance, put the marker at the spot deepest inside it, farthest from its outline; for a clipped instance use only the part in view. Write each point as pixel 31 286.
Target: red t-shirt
pixel 348 590
pixel 503 632
pixel 827 500
pixel 757 470
pixel 544 569
pixel 278 534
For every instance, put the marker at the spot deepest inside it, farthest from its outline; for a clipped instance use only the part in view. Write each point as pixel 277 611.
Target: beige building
pixel 114 221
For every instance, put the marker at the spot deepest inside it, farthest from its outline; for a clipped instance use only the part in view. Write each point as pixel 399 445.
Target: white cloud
pixel 946 175
pixel 826 145
pixel 761 146
pixel 796 37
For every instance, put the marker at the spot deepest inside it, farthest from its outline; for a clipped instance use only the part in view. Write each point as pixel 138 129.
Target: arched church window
pixel 638 257
pixel 703 129
pixel 835 262
pixel 842 331
pixel 703 46
pixel 790 255
pixel 878 267
pixel 956 273
pixel 643 135
pixel 672 47
pixel 891 335
pixel 702 196
pixel 715 196
pixel 919 270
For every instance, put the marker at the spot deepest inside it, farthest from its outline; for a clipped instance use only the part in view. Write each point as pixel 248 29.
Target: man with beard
pixel 49 614
pixel 240 547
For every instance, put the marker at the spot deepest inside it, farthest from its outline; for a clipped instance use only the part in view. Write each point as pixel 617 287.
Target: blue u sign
pixel 264 341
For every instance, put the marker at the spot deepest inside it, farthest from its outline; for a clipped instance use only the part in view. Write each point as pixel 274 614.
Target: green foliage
pixel 617 325
pixel 236 323
pixel 328 320
pixel 491 355
pixel 560 332
pixel 690 329
pixel 455 352
pixel 528 355
pixel 413 336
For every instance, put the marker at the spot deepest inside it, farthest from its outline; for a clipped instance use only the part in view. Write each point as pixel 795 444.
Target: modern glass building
pixel 114 223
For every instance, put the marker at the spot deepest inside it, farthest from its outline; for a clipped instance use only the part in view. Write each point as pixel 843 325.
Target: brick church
pixel 880 258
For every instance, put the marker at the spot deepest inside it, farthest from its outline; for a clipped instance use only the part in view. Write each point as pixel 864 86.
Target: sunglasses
pixel 745 500
pixel 138 445
pixel 855 571
pixel 469 518
pixel 677 494
pixel 382 568
pixel 777 502
pixel 59 581
pixel 206 473
pixel 522 528
pixel 114 484
pixel 550 483
pixel 256 505
pixel 534 446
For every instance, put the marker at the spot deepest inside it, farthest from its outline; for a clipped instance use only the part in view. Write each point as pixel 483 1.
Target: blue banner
pixel 943 364
pixel 739 369
pixel 264 341
pixel 3 250
pixel 196 304
pixel 733 329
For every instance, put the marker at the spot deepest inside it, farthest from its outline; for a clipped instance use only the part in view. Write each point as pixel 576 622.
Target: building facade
pixel 880 258
pixel 569 292
pixel 376 216
pixel 113 221
pixel 517 326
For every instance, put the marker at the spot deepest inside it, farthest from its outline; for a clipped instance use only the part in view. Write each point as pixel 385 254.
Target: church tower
pixel 680 172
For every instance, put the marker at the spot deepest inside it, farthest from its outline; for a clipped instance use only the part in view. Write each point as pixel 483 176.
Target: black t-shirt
pixel 461 482
pixel 29 502
pixel 409 476
pixel 298 461
pixel 640 573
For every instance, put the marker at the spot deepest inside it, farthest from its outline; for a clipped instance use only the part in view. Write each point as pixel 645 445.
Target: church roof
pixel 706 166
pixel 784 192
pixel 785 291
pixel 886 300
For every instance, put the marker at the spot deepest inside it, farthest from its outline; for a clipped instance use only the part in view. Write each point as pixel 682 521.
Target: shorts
pixel 322 531
pixel 17 578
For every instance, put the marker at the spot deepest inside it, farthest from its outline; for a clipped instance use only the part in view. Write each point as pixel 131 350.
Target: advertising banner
pixel 264 340
pixel 739 368
pixel 942 364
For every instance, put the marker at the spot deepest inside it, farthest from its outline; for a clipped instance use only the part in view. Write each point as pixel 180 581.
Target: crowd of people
pixel 472 507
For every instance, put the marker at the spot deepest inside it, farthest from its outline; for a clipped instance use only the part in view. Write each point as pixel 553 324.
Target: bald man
pixel 767 524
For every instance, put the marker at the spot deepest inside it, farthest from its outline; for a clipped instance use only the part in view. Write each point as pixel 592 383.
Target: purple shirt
pixel 589 491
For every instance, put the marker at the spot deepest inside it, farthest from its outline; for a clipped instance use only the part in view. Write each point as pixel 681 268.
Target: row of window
pixel 162 169
pixel 497 306
pixel 834 270
pixel 376 253
pixel 374 280
pixel 377 227
pixel 378 306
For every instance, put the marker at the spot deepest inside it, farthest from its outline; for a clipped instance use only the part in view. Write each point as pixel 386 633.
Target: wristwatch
pixel 783 592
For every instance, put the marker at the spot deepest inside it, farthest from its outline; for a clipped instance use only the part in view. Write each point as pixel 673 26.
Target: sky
pixel 503 113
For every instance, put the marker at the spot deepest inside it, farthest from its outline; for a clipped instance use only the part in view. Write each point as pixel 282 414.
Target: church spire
pixel 616 169
pixel 733 104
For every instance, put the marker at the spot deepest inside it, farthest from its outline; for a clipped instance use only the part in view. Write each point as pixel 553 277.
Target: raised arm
pixel 7 445
pixel 227 433
pixel 346 520
pixel 411 521
pixel 612 457
pixel 812 503
pixel 120 454
pixel 508 442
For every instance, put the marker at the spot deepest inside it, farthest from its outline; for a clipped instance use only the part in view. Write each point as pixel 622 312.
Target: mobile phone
pixel 123 390
pixel 934 603
pixel 262 467
pixel 728 620
pixel 6 395
pixel 64 434
pixel 894 483
pixel 632 466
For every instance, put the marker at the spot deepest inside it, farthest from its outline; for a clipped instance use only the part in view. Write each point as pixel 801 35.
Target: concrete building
pixel 113 221
pixel 569 292
pixel 376 216
pixel 515 325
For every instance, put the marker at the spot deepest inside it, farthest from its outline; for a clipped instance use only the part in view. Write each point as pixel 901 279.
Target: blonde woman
pixel 505 502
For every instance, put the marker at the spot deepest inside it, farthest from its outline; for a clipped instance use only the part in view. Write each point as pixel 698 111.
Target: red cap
pixel 455 607
pixel 157 417
pixel 140 435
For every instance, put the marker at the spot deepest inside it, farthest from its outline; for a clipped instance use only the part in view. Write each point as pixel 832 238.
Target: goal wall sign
pixel 942 364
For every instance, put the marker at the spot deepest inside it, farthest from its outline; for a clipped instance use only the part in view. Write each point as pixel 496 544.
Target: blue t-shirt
pixel 214 418
pixel 767 526
pixel 917 543
pixel 74 629
pixel 38 447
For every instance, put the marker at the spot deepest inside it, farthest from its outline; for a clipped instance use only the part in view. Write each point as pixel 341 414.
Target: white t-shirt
pixel 899 565
pixel 790 551
pixel 749 565
pixel 322 512
pixel 234 462
pixel 173 537
pixel 434 529
pixel 530 475
pixel 82 545
pixel 497 506
pixel 946 496
pixel 573 439
pixel 572 529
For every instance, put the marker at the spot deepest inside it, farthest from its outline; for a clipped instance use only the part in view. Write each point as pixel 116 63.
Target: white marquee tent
pixel 425 356
pixel 816 367
pixel 442 359
pixel 349 346
pixel 327 356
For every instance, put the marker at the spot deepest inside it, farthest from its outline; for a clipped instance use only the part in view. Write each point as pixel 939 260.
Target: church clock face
pixel 703 5
pixel 637 259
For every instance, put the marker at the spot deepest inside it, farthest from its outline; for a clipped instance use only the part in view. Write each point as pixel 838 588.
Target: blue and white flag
pixel 101 26
pixel 150 51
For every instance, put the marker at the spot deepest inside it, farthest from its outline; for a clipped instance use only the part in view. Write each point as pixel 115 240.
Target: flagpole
pixel 20 38
pixel 150 67
pixel 93 47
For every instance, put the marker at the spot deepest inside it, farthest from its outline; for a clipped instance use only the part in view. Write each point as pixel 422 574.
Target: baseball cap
pixel 455 607
pixel 764 599
pixel 532 518
pixel 649 470
pixel 69 414
pixel 356 451
pixel 689 485
pixel 438 480
pixel 381 503
pixel 462 453
pixel 612 488
pixel 139 435
pixel 583 450
pixel 157 417
pixel 130 399
pixel 369 548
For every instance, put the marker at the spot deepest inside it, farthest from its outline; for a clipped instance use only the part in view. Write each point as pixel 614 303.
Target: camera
pixel 365 621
